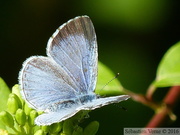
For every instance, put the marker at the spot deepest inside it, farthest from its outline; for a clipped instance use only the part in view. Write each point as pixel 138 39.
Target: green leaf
pixel 4 92
pixel 104 76
pixel 168 72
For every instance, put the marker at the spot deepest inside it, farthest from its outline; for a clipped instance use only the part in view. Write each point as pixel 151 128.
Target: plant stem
pixel 166 110
pixel 142 99
pixel 150 92
pixel 172 96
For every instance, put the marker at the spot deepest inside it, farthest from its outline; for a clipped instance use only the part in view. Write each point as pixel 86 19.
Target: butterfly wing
pixel 99 102
pixel 54 117
pixel 70 69
pixel 63 114
pixel 44 82
pixel 73 46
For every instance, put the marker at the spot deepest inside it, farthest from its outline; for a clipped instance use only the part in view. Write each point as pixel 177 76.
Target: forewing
pixel 44 82
pixel 99 102
pixel 73 46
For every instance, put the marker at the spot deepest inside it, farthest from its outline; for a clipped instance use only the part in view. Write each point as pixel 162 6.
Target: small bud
pixel 56 127
pixel 45 128
pixel 16 91
pixel 92 128
pixel 7 119
pixel 39 132
pixel 63 134
pixel 20 117
pixel 33 114
pixel 27 109
pixel 12 95
pixel 78 131
pixel 40 112
pixel 12 105
pixel 68 127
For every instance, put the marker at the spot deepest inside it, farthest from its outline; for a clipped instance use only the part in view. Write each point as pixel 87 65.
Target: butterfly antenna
pixel 110 81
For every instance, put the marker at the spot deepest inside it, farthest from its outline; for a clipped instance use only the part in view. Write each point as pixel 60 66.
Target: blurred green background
pixel 132 37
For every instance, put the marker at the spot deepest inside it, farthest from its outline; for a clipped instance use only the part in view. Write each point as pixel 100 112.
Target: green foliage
pixel 32 115
pixel 130 14
pixel 104 76
pixel 78 131
pixel 20 117
pixel 7 119
pixel 92 128
pixel 168 72
pixel 39 132
pixel 4 90
pixel 13 103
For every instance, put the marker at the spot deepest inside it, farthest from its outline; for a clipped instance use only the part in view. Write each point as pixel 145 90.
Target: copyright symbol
pixel 164 131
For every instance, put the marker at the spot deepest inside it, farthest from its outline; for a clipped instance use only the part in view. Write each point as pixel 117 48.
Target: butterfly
pixel 63 83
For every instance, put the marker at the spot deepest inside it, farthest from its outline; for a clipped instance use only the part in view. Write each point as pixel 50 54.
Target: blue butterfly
pixel 63 83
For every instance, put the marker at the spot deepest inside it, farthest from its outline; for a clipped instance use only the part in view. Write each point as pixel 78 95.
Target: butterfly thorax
pixel 69 103
pixel 87 98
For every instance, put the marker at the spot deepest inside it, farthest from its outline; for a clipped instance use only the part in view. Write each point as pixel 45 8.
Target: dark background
pixel 132 37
